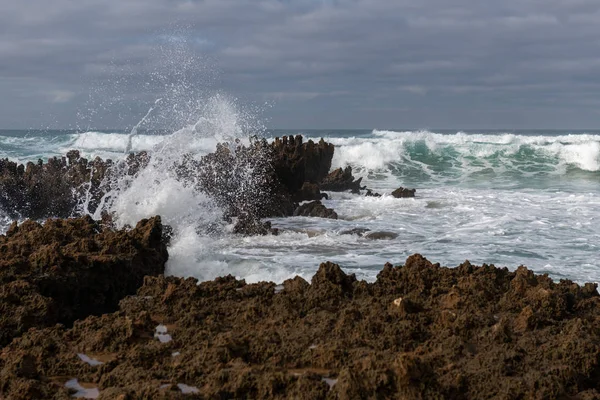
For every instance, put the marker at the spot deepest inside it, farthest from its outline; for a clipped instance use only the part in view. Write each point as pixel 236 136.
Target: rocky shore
pixel 86 311
pixel 419 331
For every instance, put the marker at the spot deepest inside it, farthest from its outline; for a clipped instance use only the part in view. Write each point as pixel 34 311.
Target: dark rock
pixel 402 192
pixel 68 269
pixel 315 209
pixel 420 331
pixel 241 179
pixel 57 187
pixel 309 191
pixel 341 180
pixel 370 193
pixel 355 231
pixel 296 162
pixel 250 225
pixel 381 235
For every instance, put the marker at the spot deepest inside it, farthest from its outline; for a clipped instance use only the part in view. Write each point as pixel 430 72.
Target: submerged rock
pixel 65 270
pixel 315 209
pixel 250 225
pixel 418 331
pixel 370 193
pixel 402 192
pixel 381 235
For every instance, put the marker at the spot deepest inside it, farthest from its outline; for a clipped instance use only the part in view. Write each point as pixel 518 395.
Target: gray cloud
pixel 344 63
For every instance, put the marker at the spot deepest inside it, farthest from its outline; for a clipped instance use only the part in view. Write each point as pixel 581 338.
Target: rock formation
pixel 65 270
pixel 402 192
pixel 341 180
pixel 419 331
pixel 315 209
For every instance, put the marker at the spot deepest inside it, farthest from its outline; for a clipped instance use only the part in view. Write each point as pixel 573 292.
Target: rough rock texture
pixel 309 191
pixel 403 192
pixel 255 181
pixel 370 193
pixel 341 180
pixel 419 332
pixel 315 209
pixel 296 162
pixel 68 269
pixel 249 225
pixel 55 189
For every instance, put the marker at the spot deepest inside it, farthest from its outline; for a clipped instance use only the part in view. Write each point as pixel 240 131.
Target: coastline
pixel 86 308
pixel 419 331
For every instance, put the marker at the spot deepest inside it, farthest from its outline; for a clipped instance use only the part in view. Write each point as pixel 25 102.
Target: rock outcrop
pixel 315 209
pixel 341 180
pixel 296 162
pixel 56 188
pixel 419 331
pixel 252 181
pixel 65 270
pixel 403 192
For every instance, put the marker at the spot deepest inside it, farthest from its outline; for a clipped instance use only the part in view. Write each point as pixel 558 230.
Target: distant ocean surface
pixel 504 197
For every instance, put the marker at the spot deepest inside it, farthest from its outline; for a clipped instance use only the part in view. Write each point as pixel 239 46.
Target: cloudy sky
pixel 304 63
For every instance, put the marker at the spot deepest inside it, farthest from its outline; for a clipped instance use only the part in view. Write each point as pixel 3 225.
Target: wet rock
pixel 355 231
pixel 309 191
pixel 370 193
pixel 341 180
pixel 315 209
pixel 250 225
pixel 57 187
pixel 381 235
pixel 296 162
pixel 402 193
pixel 68 269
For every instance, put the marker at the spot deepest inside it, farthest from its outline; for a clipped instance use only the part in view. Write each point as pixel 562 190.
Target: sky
pixel 381 64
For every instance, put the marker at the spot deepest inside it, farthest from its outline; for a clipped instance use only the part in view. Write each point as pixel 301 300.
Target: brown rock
pixel 68 269
pixel 334 338
pixel 341 180
pixel 402 192
pixel 315 209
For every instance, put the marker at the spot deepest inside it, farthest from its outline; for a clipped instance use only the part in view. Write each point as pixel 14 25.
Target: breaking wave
pixel 427 156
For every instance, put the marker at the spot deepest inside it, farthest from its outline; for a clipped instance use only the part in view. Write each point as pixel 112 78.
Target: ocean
pixel 506 198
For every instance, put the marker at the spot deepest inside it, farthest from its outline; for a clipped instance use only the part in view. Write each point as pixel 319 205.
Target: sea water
pixel 504 197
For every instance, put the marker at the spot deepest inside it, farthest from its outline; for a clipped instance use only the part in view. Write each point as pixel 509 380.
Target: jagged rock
pixel 250 225
pixel 420 331
pixel 68 269
pixel 402 192
pixel 296 162
pixel 261 179
pixel 309 191
pixel 315 209
pixel 341 180
pixel 55 188
pixel 370 193
pixel 241 180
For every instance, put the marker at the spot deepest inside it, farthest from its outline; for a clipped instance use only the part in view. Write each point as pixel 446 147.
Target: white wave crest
pixel 385 147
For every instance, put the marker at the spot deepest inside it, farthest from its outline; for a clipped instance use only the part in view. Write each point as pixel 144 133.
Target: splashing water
pixel 134 130
pixel 159 189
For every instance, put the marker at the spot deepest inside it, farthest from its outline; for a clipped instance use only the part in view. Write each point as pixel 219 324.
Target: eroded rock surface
pixel 419 331
pixel 315 209
pixel 65 270
pixel 340 180
pixel 56 188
